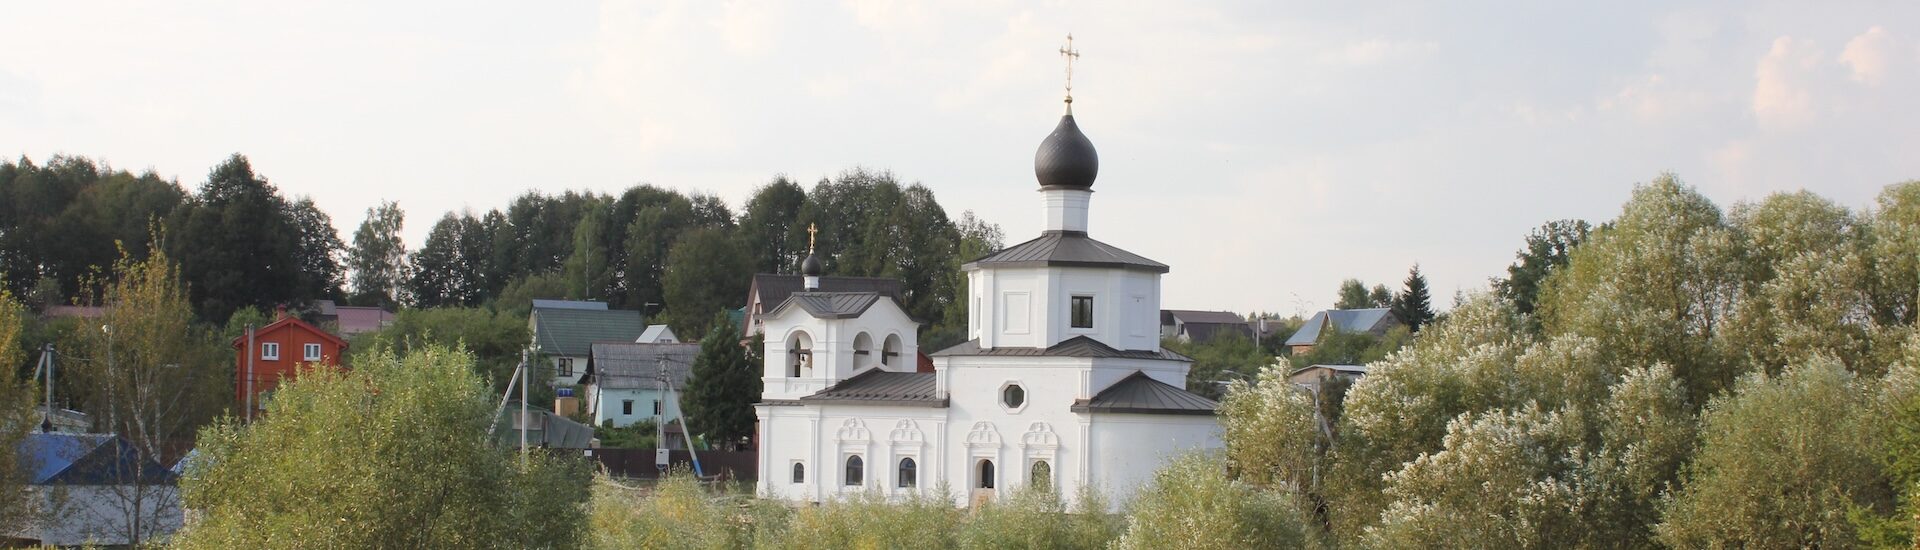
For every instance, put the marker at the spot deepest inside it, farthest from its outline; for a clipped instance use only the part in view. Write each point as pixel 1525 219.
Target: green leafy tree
pixel 1193 503
pixel 146 372
pixel 723 386
pixel 1771 475
pixel 1353 295
pixel 1548 248
pixel 378 257
pixel 1412 305
pixel 450 269
pixel 318 251
pixel 322 467
pixel 517 298
pixel 707 273
pixel 588 269
pixel 493 338
pixel 16 417
pixel 61 221
pixel 647 223
pixel 1220 360
pixel 770 226
pixel 238 245
pixel 1896 231
pixel 1657 285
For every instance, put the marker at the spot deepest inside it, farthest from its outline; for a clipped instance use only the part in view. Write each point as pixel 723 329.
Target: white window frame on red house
pixel 311 352
pixel 270 351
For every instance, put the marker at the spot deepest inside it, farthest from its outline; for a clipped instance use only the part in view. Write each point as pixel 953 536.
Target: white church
pixel 1062 385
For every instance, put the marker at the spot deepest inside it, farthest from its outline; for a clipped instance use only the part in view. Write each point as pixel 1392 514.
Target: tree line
pixel 241 243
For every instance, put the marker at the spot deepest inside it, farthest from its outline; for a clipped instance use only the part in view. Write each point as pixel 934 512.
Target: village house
pixel 1376 321
pixel 94 490
pixel 1200 326
pixel 624 380
pixel 278 352
pixel 564 332
pixel 1314 376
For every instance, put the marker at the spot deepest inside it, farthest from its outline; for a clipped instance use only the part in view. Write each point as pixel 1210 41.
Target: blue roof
pixel 1374 320
pixel 87 459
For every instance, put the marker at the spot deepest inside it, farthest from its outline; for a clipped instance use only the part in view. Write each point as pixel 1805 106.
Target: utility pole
pixel 46 362
pixel 524 380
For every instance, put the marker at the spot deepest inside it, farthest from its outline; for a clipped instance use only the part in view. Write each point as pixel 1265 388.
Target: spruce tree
pixel 1412 305
pixel 723 386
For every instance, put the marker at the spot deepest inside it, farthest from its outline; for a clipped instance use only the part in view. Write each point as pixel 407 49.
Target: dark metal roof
pixel 1201 332
pixel 626 365
pixel 87 459
pixel 831 305
pixel 1141 394
pixel 1167 316
pixel 1066 159
pixel 1066 249
pixel 774 288
pixel 572 331
pixel 811 266
pixel 878 387
pixel 1078 346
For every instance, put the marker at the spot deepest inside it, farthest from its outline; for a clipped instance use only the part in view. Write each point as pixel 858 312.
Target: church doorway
pixel 983 482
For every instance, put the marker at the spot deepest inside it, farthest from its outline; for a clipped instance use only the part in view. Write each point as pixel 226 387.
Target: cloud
pixel 888 15
pixel 1781 95
pixel 1867 55
pixel 1375 51
pixel 748 25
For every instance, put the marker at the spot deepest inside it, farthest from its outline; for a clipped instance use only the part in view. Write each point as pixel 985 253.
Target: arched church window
pixel 890 351
pixel 862 351
pixel 799 472
pixel 986 475
pixel 799 355
pixel 856 471
pixel 908 474
pixel 1042 476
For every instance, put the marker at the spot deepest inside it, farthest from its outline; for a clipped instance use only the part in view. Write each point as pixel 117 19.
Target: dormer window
pixel 1082 312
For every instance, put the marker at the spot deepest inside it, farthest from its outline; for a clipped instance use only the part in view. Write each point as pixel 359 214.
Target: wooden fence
pixel 639 463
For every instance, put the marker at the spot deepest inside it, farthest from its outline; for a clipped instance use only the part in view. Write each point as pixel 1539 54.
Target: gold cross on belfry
pixel 1071 54
pixel 811 232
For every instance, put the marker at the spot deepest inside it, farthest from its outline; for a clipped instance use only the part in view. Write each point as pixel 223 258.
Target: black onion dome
pixel 811 266
pixel 1066 159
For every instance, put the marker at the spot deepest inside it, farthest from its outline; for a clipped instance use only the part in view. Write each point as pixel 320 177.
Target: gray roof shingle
pixel 1141 394
pixel 878 387
pixel 1066 249
pixel 1375 320
pixel 626 365
pixel 1078 346
pixel 569 331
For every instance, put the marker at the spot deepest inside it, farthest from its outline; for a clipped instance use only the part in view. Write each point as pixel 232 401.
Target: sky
pixel 1265 150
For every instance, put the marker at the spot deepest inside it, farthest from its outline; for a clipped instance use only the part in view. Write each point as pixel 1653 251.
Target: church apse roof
pixel 1078 346
pixel 1141 394
pixel 1066 249
pixel 879 387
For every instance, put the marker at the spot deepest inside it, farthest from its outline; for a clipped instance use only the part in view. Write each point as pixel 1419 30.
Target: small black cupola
pixel 1066 159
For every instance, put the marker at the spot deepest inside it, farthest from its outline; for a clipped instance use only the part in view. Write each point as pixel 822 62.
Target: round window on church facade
pixel 1013 396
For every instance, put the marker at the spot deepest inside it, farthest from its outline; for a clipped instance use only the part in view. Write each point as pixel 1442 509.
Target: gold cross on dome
pixel 811 233
pixel 1071 54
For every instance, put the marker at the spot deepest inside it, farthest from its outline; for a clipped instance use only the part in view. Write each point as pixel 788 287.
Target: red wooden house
pixel 279 351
